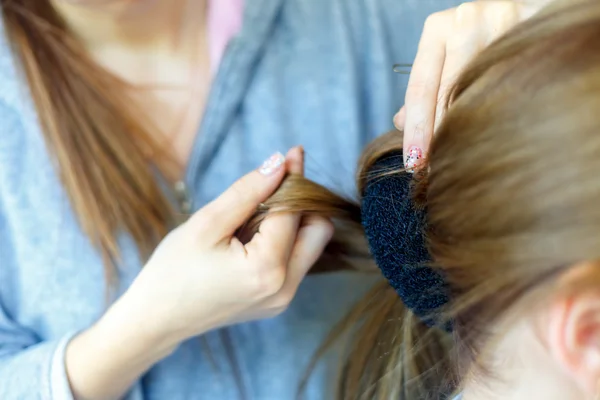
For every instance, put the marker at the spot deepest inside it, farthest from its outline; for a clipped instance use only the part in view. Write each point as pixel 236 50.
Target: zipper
pixel 184 201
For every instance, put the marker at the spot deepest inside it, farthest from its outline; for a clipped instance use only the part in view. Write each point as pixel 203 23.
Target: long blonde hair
pixel 107 159
pixel 511 188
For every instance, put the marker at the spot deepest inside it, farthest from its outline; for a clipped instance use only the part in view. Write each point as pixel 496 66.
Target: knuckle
pixel 323 229
pixel 418 90
pixel 270 262
pixel 247 192
pixel 458 40
pixel 506 10
pixel 422 128
pixel 467 13
pixel 433 21
pixel 205 219
pixel 506 16
pixel 239 191
pixel 445 91
pixel 326 227
pixel 267 281
pixel 282 301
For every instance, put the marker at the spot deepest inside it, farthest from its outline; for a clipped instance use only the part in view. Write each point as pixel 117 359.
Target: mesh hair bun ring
pixel 395 231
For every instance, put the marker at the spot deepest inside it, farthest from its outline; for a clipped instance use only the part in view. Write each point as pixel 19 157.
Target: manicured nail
pixel 272 164
pixel 413 159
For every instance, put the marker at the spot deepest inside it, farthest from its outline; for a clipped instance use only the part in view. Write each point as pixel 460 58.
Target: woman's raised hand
pixel 202 277
pixel 450 39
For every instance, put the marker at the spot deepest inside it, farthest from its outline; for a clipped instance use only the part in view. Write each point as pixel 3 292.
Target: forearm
pixel 104 361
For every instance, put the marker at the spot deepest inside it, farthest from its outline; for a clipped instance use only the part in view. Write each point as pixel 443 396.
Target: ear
pixel 573 333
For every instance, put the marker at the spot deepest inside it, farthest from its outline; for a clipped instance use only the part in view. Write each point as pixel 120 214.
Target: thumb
pixel 223 216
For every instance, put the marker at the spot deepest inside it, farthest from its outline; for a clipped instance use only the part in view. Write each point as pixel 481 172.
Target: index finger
pixel 423 87
pixel 467 39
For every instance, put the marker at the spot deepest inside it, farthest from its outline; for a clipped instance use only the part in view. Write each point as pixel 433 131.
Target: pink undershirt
pixel 224 22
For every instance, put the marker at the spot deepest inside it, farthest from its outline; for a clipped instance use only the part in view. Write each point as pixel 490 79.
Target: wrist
pixel 103 361
pixel 161 322
pixel 127 323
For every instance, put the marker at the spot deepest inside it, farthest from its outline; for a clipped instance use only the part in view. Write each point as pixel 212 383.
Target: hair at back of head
pixel 511 190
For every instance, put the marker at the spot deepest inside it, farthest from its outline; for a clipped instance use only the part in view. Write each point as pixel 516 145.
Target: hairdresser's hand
pixel 200 278
pixel 450 39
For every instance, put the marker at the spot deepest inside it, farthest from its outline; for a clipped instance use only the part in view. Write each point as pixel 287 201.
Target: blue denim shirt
pixel 310 72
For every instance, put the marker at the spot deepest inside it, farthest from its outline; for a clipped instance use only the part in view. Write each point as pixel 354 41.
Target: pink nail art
pixel 272 164
pixel 413 159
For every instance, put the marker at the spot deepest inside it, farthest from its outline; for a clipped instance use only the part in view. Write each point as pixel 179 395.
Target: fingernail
pixel 413 159
pixel 272 164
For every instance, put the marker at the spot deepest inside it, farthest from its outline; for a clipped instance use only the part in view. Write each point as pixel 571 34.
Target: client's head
pixel 513 211
pixel 512 193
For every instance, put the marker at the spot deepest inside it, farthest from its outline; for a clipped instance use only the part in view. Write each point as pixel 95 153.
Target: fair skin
pixel 200 277
pixel 449 41
pixel 550 351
